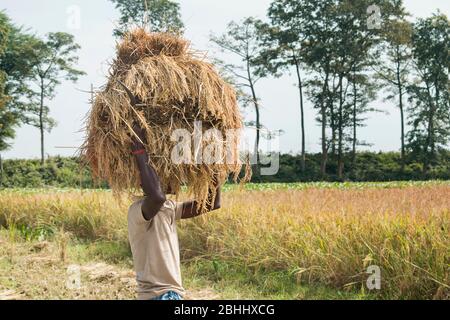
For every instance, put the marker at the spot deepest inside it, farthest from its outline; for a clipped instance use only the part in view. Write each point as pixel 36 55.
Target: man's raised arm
pixel 154 195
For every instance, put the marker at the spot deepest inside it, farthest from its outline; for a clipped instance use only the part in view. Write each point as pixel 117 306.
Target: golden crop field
pixel 278 239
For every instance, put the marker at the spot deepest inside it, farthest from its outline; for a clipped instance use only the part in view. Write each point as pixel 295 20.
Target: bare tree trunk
pixel 433 140
pixel 333 119
pixel 432 134
pixel 256 105
pixel 41 122
pixel 354 123
pixel 429 144
pixel 302 112
pixel 333 128
pixel 402 116
pixel 430 131
pixel 402 113
pixel 258 129
pixel 323 111
pixel 340 131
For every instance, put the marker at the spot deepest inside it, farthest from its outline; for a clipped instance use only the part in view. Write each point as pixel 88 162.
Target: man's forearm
pixel 191 209
pixel 149 179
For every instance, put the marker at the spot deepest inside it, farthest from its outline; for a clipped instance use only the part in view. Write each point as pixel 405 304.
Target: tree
pixel 7 123
pixel 8 119
pixel 4 33
pixel 16 58
pixel 324 34
pixel 320 30
pixel 429 113
pixel 338 40
pixel 283 45
pixel 394 67
pixel 242 40
pixel 55 58
pixel 353 42
pixel 17 64
pixel 159 15
pixel 362 93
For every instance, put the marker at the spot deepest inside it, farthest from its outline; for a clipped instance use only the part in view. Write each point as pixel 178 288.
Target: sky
pixel 93 31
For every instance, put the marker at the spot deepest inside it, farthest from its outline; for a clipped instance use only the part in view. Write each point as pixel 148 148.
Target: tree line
pixel 345 55
pixel 65 172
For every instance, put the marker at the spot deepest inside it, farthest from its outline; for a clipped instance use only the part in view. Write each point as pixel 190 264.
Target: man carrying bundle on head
pixel 152 232
pixel 158 86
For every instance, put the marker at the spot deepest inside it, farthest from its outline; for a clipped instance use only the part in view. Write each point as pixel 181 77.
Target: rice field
pixel 289 241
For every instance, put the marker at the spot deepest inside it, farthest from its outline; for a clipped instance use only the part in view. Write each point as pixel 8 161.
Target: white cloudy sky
pixel 201 17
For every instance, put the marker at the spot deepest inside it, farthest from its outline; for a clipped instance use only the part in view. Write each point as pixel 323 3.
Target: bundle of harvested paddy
pixel 158 82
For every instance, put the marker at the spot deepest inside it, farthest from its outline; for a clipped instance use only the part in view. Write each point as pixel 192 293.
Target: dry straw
pixel 172 87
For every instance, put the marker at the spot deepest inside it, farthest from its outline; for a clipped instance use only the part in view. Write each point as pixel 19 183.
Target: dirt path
pixel 104 272
pixel 51 270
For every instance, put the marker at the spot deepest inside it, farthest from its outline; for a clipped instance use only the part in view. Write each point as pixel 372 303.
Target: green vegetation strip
pixel 263 186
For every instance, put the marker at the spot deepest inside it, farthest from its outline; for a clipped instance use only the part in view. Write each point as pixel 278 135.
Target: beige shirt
pixel 155 249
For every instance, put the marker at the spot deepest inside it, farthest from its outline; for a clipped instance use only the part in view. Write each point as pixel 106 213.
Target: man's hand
pixel 191 208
